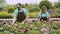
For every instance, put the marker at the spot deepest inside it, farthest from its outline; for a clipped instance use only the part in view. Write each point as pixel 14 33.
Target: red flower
pixel 25 30
pixel 4 22
pixel 49 30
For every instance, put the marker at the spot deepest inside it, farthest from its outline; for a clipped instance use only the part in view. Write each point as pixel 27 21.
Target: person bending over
pixel 20 14
pixel 43 14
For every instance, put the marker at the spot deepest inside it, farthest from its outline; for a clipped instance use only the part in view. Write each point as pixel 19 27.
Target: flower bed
pixel 28 28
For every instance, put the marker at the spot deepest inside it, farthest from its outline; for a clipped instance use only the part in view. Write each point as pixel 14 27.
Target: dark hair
pixel 19 4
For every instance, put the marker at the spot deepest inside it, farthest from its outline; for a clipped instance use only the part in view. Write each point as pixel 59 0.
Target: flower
pixel 49 30
pixel 56 22
pixel 44 29
pixel 30 21
pixel 50 22
pixel 25 30
pixel 20 28
pixel 3 22
pixel 44 25
pixel 45 33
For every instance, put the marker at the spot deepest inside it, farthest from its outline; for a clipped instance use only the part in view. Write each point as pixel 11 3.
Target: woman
pixel 43 15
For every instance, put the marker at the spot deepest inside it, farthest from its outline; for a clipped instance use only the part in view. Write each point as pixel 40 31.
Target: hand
pixel 12 23
pixel 23 22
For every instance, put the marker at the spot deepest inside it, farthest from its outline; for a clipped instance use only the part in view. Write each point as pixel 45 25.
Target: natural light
pixel 26 1
pixel 22 1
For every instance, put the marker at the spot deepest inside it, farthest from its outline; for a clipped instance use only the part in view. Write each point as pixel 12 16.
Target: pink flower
pixel 44 29
pixel 44 25
pixel 49 30
pixel 45 33
pixel 30 21
pixel 50 22
pixel 3 22
pixel 57 22
pixel 20 28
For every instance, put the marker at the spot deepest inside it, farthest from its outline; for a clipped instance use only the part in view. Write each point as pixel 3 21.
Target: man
pixel 20 14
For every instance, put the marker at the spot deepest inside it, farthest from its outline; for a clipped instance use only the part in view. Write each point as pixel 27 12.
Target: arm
pixel 48 16
pixel 14 19
pixel 39 15
pixel 26 13
pixel 15 15
pixel 26 18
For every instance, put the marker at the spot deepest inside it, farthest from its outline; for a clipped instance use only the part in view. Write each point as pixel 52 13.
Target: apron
pixel 21 16
pixel 44 18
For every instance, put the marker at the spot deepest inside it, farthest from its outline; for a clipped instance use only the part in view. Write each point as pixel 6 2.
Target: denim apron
pixel 21 16
pixel 44 18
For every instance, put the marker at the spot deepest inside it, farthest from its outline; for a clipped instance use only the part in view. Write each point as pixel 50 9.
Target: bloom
pixel 44 25
pixel 57 22
pixel 30 21
pixel 45 33
pixel 44 29
pixel 3 22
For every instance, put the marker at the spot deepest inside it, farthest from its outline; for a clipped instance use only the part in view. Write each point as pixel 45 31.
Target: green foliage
pixel 1 9
pixel 57 8
pixel 55 32
pixel 57 5
pixel 38 25
pixel 45 3
pixel 34 9
pixel 5 32
pixel 24 6
pixel 11 10
pixel 5 15
pixel 55 15
pixel 33 32
pixel 14 28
